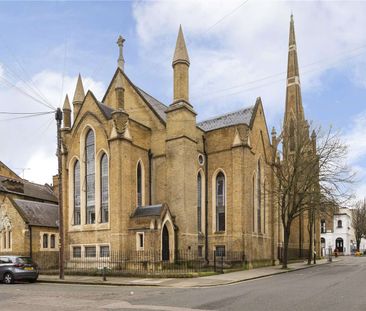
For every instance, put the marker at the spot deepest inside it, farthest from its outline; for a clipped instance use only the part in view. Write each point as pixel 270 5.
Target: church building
pixel 141 175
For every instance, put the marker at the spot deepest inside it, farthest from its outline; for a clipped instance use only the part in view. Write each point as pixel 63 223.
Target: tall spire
pixel 180 53
pixel 121 60
pixel 294 108
pixel 78 96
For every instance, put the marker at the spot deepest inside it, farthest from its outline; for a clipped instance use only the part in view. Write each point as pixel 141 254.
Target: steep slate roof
pixel 107 111
pixel 242 116
pixel 27 188
pixel 155 104
pixel 148 211
pixel 37 213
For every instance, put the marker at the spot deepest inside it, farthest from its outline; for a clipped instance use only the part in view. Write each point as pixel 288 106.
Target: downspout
pixel 30 241
pixel 206 198
pixel 150 171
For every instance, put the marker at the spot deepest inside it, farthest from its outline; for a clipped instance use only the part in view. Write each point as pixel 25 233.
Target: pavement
pixel 204 281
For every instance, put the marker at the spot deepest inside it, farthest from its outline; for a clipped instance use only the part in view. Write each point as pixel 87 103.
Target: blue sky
pixel 232 47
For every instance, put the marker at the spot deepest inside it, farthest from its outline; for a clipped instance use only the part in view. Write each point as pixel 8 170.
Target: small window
pixel 53 241
pixel 140 241
pixel 322 226
pixel 104 251
pixel 76 252
pixel 339 225
pixel 90 251
pixel 45 240
pixel 201 159
pixel 220 250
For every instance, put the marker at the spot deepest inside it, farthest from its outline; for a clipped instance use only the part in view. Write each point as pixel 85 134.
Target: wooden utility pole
pixel 58 117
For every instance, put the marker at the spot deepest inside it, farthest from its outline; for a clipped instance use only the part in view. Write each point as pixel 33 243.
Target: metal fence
pixel 140 263
pixel 293 253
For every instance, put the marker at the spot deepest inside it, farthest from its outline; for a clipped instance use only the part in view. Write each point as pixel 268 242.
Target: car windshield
pixel 24 260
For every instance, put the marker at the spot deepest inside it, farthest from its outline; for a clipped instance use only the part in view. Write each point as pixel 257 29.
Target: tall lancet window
pixel 77 218
pixel 199 202
pixel 104 188
pixel 139 184
pixel 90 177
pixel 259 198
pixel 220 202
pixel 264 207
pixel 253 202
pixel 292 135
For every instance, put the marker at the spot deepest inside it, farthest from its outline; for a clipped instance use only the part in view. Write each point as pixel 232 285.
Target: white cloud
pixel 30 143
pixel 355 138
pixel 247 45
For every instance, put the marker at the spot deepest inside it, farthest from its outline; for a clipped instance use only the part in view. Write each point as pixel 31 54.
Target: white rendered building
pixel 340 234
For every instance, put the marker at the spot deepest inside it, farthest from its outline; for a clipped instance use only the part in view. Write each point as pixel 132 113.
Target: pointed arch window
pixel 90 177
pixel 199 202
pixel 220 202
pixel 104 191
pixel 259 198
pixel 139 184
pixel 77 218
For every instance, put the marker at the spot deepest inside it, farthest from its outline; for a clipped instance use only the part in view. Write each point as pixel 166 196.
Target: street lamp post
pixel 58 117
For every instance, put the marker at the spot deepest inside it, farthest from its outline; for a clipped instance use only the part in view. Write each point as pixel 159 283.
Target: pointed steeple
pixel 79 96
pixel 294 108
pixel 121 60
pixel 67 112
pixel 180 53
pixel 294 120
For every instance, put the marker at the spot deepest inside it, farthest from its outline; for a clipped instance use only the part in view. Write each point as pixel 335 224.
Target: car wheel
pixel 8 278
pixel 32 280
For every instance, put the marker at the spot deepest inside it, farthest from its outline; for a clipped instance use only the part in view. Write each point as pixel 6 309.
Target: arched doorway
pixel 165 244
pixel 339 245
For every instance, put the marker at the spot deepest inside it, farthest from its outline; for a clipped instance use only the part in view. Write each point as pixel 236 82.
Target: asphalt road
pixel 333 287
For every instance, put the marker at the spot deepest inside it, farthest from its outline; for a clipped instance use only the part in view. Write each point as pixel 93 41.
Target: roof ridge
pixel 226 114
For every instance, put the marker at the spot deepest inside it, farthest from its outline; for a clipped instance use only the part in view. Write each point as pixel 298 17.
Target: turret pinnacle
pixel 78 96
pixel 180 53
pixel 66 103
pixel 67 113
pixel 79 91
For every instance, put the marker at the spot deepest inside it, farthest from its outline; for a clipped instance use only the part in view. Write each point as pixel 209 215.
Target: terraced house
pixel 141 175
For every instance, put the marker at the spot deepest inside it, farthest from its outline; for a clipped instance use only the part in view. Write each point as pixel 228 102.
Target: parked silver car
pixel 17 268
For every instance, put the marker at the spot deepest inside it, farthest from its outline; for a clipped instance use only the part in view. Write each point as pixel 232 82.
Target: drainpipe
pixel 30 241
pixel 206 198
pixel 150 171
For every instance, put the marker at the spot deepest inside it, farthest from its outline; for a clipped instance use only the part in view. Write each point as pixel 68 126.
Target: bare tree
pixel 359 222
pixel 312 174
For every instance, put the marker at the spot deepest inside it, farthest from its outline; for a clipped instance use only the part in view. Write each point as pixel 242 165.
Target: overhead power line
pixel 225 16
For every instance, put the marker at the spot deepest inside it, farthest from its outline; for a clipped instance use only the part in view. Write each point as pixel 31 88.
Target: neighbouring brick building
pixel 140 175
pixel 28 217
